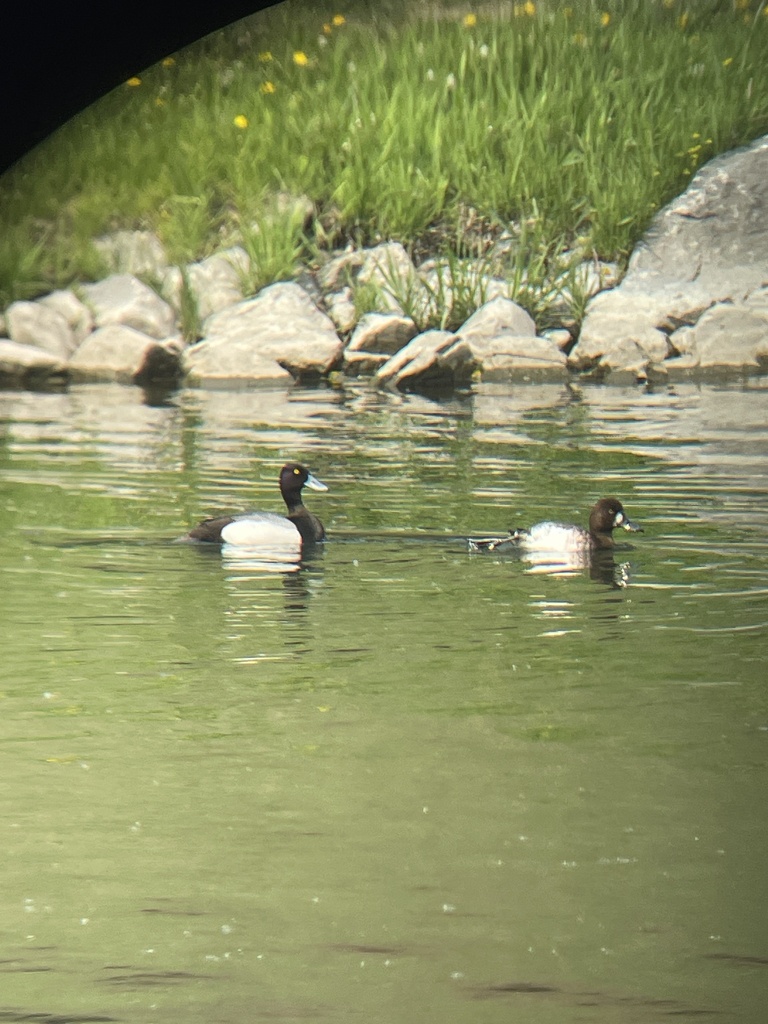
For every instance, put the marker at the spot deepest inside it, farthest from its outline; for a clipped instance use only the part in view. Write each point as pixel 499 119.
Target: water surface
pixel 405 783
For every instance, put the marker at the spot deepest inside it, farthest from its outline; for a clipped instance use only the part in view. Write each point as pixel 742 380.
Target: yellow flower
pixel 338 19
pixel 470 20
pixel 327 29
pixel 605 19
pixel 579 38
pixel 133 82
pixel 168 62
pixel 159 101
pixel 300 58
pixel 267 87
pixel 567 12
pixel 696 135
pixel 530 8
pixel 682 21
pixel 265 57
pixel 726 62
pixel 241 121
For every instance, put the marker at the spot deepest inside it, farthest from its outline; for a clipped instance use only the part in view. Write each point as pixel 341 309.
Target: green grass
pixel 538 115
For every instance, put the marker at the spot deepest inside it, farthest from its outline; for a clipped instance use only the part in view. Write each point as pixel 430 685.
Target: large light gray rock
pixel 710 245
pixel 385 333
pixel 120 353
pixel 123 299
pixel 215 282
pixel 729 336
pixel 75 312
pixel 431 359
pixel 32 323
pixel 341 309
pixel 390 269
pixel 279 334
pixel 132 252
pixel 28 364
pixel 502 338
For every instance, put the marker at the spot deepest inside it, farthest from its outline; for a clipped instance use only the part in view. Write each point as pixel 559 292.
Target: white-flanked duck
pixel 265 530
pixel 561 542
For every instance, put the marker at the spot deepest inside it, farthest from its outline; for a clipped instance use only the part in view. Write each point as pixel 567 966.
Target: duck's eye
pixel 296 472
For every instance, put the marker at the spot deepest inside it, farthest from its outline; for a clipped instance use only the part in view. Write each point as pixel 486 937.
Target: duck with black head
pixel 266 529
pixel 561 539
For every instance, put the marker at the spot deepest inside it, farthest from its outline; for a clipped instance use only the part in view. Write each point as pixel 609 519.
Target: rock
pixel 278 334
pixel 495 319
pixel 560 336
pixel 710 245
pixel 626 356
pixel 341 309
pixel 123 299
pixel 32 323
pixel 132 252
pixel 579 280
pixel 431 359
pixel 28 364
pixel 385 333
pixel 75 312
pixel 502 338
pixel 121 353
pixel 341 270
pixel 215 282
pixel 390 269
pixel 523 357
pixel 730 336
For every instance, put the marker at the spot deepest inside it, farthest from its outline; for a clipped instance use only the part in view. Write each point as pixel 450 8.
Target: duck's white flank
pixel 262 530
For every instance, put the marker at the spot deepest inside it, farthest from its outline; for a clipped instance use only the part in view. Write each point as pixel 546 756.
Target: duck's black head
pixel 606 516
pixel 294 476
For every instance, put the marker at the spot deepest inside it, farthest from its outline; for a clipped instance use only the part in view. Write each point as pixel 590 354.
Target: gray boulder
pixel 377 337
pixel 75 312
pixel 215 282
pixel 708 246
pixel 341 309
pixel 279 334
pixel 390 269
pixel 431 359
pixel 730 336
pixel 32 323
pixel 28 364
pixel 382 332
pixel 123 354
pixel 502 338
pixel 123 299
pixel 132 252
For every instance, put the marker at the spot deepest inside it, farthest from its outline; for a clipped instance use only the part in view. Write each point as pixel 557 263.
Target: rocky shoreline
pixel 694 301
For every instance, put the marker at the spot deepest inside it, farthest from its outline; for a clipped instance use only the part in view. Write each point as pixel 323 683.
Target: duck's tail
pixel 492 543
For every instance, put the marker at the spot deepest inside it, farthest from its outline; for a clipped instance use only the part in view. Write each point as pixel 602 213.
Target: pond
pixel 407 783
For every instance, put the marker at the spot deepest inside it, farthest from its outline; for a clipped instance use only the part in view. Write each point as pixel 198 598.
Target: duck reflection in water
pixel 555 548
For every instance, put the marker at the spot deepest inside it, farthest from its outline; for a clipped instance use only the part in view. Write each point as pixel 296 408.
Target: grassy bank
pixel 436 125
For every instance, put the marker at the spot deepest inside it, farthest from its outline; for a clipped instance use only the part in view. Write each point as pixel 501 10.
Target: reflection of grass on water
pixel 437 125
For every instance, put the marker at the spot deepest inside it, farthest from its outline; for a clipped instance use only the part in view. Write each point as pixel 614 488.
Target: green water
pixel 406 783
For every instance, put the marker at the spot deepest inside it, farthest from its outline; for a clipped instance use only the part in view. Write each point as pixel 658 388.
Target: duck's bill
pixel 315 484
pixel 631 527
